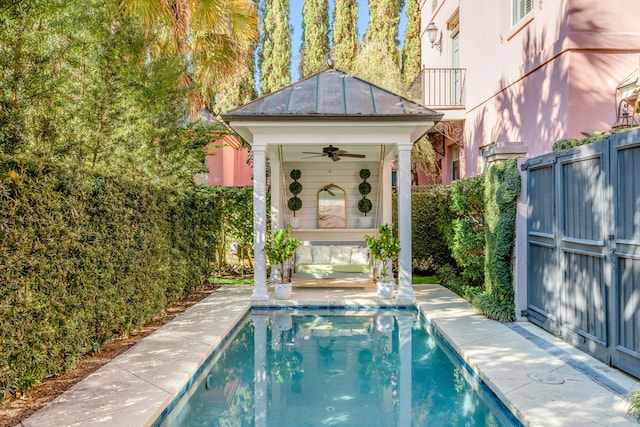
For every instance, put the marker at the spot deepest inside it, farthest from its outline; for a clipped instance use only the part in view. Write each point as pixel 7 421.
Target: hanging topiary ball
pixel 365 205
pixel 364 188
pixel 295 174
pixel 295 187
pixel 365 173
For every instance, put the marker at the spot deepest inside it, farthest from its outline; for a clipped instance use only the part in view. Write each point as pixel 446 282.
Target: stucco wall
pixel 550 76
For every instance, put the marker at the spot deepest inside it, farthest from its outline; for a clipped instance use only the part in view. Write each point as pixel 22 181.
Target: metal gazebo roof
pixel 332 94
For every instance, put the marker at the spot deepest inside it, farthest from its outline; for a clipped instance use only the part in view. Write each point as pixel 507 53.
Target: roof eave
pixel 332 117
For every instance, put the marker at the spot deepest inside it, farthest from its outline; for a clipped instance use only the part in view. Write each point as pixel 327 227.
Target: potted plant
pixel 384 249
pixel 295 203
pixel 280 248
pixel 364 204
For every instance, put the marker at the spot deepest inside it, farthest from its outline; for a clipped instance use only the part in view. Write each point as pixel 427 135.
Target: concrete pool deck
pixel 543 380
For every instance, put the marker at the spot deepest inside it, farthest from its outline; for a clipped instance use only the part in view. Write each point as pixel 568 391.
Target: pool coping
pixel 541 387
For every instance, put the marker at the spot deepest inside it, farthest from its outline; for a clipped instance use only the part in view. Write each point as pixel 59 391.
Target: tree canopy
pixel 82 85
pixel 315 37
pixel 275 46
pixel 345 34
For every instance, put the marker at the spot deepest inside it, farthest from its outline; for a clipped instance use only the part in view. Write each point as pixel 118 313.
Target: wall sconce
pixel 435 36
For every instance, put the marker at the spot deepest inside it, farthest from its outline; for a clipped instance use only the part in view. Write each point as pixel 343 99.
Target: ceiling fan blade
pixel 334 158
pixel 358 156
pixel 315 155
pixel 319 154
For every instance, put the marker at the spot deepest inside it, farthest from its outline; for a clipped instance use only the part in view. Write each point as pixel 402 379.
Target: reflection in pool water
pixel 335 368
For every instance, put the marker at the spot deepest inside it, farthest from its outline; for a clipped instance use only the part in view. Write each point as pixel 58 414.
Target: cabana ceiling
pixel 298 153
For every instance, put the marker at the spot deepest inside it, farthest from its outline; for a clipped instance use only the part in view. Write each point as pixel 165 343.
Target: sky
pixel 296 23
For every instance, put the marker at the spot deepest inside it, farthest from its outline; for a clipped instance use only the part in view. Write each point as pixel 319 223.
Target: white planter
pixel 283 290
pixel 365 221
pixel 384 323
pixel 284 322
pixel 385 289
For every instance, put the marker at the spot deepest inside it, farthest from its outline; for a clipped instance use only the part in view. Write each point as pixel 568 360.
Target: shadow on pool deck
pixel 541 384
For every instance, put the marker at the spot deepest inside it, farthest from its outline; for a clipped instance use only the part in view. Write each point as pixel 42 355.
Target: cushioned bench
pixel 324 260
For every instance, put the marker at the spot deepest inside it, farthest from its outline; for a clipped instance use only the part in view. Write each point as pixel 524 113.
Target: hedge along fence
pixel 430 250
pixel 462 225
pixel 83 259
pixel 502 188
pixel 479 228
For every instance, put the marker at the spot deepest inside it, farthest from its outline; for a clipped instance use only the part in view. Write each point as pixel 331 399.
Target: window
pixel 520 9
pixel 455 170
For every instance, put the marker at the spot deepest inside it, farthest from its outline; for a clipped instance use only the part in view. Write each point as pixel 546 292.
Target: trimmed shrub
pixel 502 188
pixel 87 258
pixel 462 226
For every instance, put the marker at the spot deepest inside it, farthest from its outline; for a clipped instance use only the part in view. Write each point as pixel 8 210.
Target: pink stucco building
pixel 514 73
pixel 228 164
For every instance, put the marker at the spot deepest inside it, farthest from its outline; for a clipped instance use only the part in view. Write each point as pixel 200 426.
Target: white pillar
pixel 387 190
pixel 260 292
pixel 259 369
pixel 405 287
pixel 405 325
pixel 276 219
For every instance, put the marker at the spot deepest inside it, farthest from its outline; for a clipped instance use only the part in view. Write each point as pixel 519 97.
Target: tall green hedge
pixel 502 188
pixel 462 225
pixel 430 250
pixel 84 258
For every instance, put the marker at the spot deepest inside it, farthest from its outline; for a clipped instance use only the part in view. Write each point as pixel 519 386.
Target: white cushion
pixel 304 255
pixel 340 255
pixel 360 256
pixel 321 254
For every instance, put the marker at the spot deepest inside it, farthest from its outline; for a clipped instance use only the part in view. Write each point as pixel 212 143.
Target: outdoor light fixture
pixel 435 36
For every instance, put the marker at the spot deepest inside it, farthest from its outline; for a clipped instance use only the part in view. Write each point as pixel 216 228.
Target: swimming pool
pixel 310 367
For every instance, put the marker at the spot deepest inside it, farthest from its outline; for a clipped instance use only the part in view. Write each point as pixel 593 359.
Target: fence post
pixel 521 246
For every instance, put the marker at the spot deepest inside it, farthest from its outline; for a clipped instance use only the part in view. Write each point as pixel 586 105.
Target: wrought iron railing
pixel 439 87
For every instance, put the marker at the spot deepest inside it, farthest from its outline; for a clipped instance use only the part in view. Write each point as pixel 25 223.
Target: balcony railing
pixel 439 87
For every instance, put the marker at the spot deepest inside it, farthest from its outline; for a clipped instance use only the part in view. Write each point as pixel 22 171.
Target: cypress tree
pixel 345 33
pixel 275 52
pixel 384 18
pixel 410 56
pixel 315 36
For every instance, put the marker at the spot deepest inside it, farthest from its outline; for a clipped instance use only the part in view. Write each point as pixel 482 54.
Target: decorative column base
pixel 405 293
pixel 259 296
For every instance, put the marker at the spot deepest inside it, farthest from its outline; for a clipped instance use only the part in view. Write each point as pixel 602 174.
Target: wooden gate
pixel 583 234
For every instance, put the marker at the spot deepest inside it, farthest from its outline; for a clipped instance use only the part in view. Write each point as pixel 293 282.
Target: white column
pixel 276 219
pixel 260 292
pixel 405 287
pixel 259 369
pixel 405 325
pixel 387 190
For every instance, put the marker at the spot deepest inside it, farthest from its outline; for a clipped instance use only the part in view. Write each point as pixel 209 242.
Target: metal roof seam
pixel 373 100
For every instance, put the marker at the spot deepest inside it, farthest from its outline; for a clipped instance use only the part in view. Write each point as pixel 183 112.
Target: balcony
pixel 439 88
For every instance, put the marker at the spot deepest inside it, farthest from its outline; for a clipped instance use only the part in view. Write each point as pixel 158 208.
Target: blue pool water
pixel 350 368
